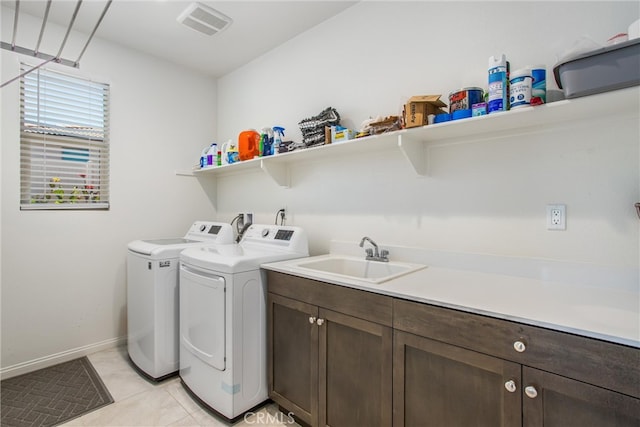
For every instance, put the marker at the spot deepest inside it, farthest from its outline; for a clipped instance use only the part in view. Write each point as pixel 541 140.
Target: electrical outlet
pixel 556 217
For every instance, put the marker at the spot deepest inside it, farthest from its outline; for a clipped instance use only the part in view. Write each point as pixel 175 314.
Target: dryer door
pixel 202 315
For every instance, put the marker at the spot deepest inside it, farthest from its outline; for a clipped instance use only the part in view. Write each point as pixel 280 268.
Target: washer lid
pixel 175 241
pixel 200 232
pixel 232 258
pixel 154 249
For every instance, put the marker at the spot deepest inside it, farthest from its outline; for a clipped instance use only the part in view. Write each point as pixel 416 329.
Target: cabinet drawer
pixel 361 304
pixel 605 364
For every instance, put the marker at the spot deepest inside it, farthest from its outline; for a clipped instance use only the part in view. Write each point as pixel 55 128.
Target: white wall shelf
pixel 413 142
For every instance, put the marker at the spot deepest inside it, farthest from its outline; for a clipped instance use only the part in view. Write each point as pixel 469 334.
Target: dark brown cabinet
pixel 556 401
pixel 329 362
pixel 437 384
pixel 292 351
pixel 502 373
pixel 343 357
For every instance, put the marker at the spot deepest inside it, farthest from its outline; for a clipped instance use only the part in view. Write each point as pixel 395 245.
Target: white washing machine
pixel 223 348
pixel 152 296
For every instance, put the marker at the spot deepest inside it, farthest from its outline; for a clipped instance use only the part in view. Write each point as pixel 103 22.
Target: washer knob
pixel 203 227
pixel 265 232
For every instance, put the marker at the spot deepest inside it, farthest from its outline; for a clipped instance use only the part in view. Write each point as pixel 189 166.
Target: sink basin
pixel 360 269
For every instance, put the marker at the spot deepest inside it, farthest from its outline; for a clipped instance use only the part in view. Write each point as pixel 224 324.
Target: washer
pixel 152 296
pixel 223 317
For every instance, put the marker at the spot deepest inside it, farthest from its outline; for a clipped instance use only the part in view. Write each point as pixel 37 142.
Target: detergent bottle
pixel 278 133
pixel 224 150
pixel 203 157
pixel 248 144
pixel 233 156
pixel 212 153
pixel 264 140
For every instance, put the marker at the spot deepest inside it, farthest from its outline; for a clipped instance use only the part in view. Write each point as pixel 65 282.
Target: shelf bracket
pixel 415 153
pixel 279 172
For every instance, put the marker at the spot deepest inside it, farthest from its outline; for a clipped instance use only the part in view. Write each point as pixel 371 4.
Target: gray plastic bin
pixel 602 70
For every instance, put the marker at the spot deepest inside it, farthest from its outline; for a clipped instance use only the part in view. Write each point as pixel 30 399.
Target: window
pixel 64 142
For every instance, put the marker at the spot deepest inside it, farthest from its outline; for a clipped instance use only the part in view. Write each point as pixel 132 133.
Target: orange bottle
pixel 248 144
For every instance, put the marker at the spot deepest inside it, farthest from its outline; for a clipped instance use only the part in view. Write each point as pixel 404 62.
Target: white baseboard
pixel 64 356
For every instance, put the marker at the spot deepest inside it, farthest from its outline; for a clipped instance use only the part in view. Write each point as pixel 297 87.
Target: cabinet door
pixel 292 354
pixel 355 371
pixel 555 401
pixel 437 384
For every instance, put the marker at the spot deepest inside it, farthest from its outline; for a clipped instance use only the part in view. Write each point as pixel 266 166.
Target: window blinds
pixel 64 142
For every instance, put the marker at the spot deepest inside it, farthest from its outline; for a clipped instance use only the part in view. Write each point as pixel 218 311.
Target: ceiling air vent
pixel 204 19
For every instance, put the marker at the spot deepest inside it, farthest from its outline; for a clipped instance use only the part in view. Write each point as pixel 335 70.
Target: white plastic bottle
pixel 498 84
pixel 212 154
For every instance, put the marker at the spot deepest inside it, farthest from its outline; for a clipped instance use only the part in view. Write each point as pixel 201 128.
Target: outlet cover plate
pixel 556 217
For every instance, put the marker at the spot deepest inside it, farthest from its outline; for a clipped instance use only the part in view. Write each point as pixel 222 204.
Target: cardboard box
pixel 418 108
pixel 341 135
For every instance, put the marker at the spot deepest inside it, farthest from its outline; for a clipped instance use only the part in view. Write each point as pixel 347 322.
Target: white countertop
pixel 596 312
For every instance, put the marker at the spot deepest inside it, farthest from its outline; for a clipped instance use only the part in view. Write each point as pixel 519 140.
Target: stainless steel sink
pixel 359 269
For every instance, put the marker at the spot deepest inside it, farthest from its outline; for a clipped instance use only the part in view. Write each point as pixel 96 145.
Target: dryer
pixel 223 348
pixel 152 296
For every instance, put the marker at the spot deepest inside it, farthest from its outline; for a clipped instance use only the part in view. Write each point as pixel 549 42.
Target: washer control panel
pixel 217 232
pixel 294 239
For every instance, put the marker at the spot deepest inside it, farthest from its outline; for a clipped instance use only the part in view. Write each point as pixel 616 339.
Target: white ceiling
pixel 150 26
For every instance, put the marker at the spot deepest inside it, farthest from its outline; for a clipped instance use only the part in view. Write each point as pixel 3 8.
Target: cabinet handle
pixel 312 320
pixel 531 391
pixel 510 386
pixel 319 322
pixel 519 346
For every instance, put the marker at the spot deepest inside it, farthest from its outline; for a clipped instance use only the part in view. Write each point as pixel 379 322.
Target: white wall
pixel 486 198
pixel 63 272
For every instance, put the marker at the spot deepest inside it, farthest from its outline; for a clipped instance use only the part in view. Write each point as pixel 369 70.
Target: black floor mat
pixel 53 395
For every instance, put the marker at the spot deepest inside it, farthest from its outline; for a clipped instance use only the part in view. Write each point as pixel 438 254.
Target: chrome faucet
pixel 372 253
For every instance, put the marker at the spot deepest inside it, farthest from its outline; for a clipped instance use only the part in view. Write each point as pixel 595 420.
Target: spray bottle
pixel 498 84
pixel 278 133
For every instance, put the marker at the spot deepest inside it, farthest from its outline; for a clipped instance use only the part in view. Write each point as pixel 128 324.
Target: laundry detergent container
pixel 248 144
pixel 602 70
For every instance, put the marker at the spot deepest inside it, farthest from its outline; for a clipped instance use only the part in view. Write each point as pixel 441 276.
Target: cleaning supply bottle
pixel 278 134
pixel 232 153
pixel 203 157
pixel 264 141
pixel 248 144
pixel 212 154
pixel 498 84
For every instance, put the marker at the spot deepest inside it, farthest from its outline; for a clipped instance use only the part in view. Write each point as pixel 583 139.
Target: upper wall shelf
pixel 412 142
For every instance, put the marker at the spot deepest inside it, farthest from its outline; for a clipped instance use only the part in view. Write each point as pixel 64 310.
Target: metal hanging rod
pixel 66 36
pixel 44 24
pixel 15 24
pixel 104 12
pixel 50 58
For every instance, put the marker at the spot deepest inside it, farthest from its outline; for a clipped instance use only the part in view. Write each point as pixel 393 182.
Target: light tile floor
pixel 139 402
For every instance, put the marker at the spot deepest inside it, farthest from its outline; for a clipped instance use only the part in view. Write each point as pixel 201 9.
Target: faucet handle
pixel 369 252
pixel 384 253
